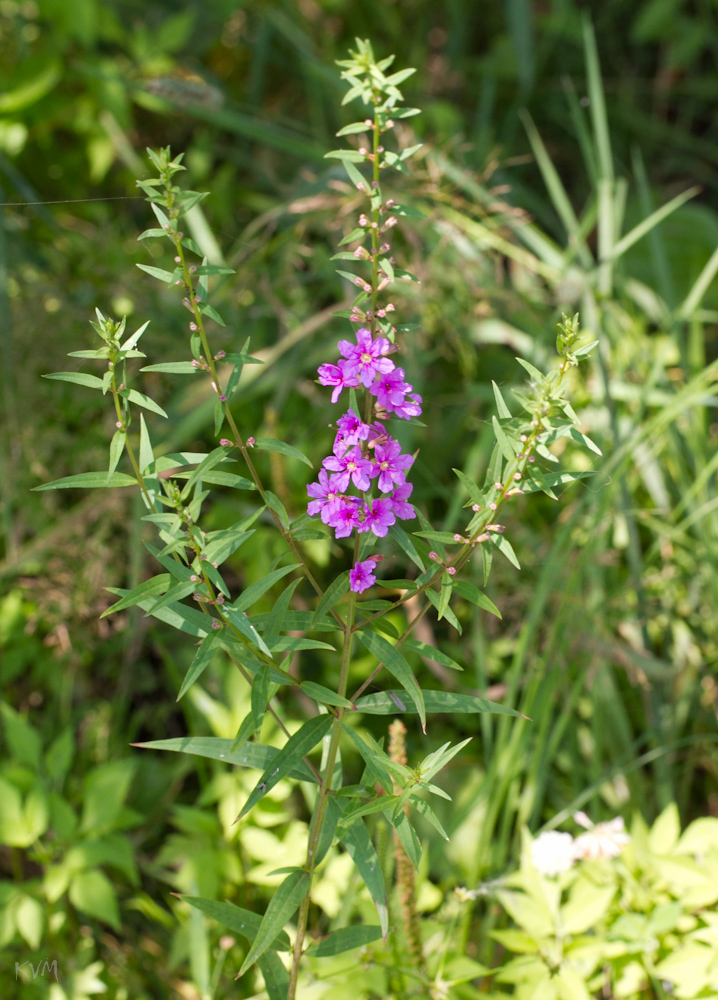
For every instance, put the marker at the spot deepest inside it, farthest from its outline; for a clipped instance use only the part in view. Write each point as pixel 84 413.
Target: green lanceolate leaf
pixel 334 593
pixel 270 444
pixel 444 609
pixel 304 740
pixel 324 695
pixel 240 621
pixel 431 652
pixel 179 616
pixel 505 548
pixel 252 594
pixel 395 663
pixel 139 398
pixel 504 444
pixel 235 918
pixel 445 595
pixel 346 939
pixel 475 494
pixel 260 696
pixel 80 378
pixel 373 756
pixel 405 543
pixel 275 975
pixel 282 906
pixel 117 446
pixel 425 810
pixel 446 537
pixel 359 846
pixel 382 703
pixel 274 503
pixel 202 659
pixel 157 272
pixel 150 588
pixel 173 368
pixel 471 593
pixel 256 756
pixel 89 480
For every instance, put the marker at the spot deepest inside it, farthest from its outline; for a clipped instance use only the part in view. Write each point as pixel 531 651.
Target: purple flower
pixel 365 359
pixel 344 517
pixel 337 375
pixel 326 496
pixel 361 576
pixel 351 429
pixel 390 388
pixel 378 517
pixel 350 465
pixel 389 465
pixel 410 407
pixel 403 510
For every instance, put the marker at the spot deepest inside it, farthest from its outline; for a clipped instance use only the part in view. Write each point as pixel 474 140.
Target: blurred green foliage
pixel 608 640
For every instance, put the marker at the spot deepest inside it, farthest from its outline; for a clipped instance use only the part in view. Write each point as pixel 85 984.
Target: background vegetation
pixel 609 638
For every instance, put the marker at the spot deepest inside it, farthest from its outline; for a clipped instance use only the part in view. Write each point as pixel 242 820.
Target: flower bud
pixel 476 507
pixel 250 442
pixel 451 570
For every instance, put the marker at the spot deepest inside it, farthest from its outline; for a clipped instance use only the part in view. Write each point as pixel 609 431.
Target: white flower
pixel 552 852
pixel 602 840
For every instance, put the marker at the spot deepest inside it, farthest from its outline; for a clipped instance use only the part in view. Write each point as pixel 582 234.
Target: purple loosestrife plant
pixel 361 493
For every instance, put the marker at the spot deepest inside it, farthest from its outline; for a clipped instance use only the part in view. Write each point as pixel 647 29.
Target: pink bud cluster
pixel 364 454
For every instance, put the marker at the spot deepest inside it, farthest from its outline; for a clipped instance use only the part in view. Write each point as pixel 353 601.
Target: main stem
pixel 323 796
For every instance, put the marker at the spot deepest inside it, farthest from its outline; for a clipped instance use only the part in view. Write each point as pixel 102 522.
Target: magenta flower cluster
pixel 363 453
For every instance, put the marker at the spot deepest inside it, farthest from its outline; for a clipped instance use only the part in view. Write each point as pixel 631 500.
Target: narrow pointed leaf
pixel 173 368
pixel 274 503
pixel 202 659
pixel 275 975
pixel 150 588
pixel 282 907
pixel 140 399
pixel 396 664
pixel 304 740
pixel 80 378
pixel 359 846
pixel 236 919
pixel 256 756
pixel 252 594
pixel 346 939
pixel 334 593
pixel 325 695
pixel 157 272
pixel 471 593
pixel 431 652
pixel 435 701
pixel 270 444
pixel 89 480
pixel 405 543
pixel 503 410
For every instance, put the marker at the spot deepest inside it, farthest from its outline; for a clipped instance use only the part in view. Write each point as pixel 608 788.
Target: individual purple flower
pixel 378 517
pixel 389 465
pixel 377 434
pixel 339 376
pixel 365 359
pixel 361 576
pixel 344 517
pixel 403 510
pixel 411 407
pixel 390 388
pixel 326 495
pixel 351 429
pixel 351 465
